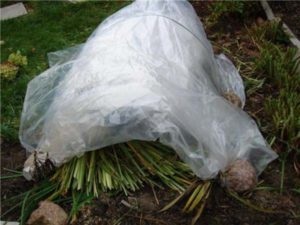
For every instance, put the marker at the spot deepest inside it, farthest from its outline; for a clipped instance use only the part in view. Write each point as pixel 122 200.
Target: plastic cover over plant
pixel 148 72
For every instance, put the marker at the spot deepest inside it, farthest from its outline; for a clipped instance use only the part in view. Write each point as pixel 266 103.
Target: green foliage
pixel 123 167
pixel 8 71
pixel 283 112
pixel 79 199
pixel 17 59
pixel 252 85
pixel 270 31
pixel 13 174
pixel 219 9
pixel 280 67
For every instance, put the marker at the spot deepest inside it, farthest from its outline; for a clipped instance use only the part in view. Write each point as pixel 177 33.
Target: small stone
pixel 240 176
pixel 48 213
pixel 144 202
pixel 260 21
pixel 9 223
pixel 12 11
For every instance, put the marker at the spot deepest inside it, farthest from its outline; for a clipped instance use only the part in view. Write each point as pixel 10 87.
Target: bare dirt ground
pixel 289 11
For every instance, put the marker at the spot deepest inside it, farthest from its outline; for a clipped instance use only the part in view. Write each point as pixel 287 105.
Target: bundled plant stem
pixel 124 167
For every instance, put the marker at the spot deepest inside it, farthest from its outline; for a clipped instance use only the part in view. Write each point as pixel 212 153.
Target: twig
pixel 154 193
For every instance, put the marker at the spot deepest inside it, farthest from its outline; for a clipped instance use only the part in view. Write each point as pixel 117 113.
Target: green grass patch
pixel 49 26
pixel 279 65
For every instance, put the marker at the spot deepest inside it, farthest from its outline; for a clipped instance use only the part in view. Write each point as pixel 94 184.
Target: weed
pixel 270 31
pixel 252 85
pixel 282 113
pixel 8 71
pixel 14 174
pixel 17 59
pixel 282 107
pixel 279 67
pixel 219 9
pixel 79 199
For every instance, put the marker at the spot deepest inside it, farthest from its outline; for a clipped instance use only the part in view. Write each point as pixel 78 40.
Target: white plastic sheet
pixel 148 72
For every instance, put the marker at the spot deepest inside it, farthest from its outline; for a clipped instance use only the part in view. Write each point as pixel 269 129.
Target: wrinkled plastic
pixel 229 79
pixel 63 56
pixel 147 72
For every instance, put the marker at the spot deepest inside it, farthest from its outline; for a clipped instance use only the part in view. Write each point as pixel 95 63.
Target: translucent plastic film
pixel 148 72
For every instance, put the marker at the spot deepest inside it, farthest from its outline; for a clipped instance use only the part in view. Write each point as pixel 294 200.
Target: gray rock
pixel 8 223
pixel 12 11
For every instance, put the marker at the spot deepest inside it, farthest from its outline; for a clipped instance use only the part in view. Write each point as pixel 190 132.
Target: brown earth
pixel 289 12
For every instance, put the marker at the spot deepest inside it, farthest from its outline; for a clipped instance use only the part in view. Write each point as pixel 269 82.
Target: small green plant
pixel 280 67
pixel 223 8
pixel 79 199
pixel 8 71
pixel 17 59
pixel 13 174
pixel 282 113
pixel 270 31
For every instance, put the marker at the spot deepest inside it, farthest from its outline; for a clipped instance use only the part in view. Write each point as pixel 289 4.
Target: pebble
pixel 48 213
